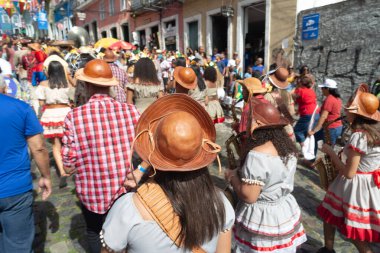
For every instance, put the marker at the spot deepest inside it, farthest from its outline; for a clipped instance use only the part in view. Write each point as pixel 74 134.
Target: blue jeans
pixel 302 125
pixel 17 223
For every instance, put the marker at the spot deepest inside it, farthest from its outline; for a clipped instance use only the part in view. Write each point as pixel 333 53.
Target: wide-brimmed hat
pixel 364 103
pixel 35 46
pixel 97 72
pixel 63 43
pixel 176 133
pixel 109 56
pixel 253 85
pixel 265 115
pixel 55 58
pixel 329 83
pixel 279 78
pixel 186 77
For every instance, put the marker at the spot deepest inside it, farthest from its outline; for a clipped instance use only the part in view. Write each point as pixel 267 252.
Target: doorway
pixel 95 30
pixel 104 34
pixel 254 17
pixel 219 33
pixel 142 39
pixel 193 35
pixel 125 31
pixel 153 40
pixel 113 32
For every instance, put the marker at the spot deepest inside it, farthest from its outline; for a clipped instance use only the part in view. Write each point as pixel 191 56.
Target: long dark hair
pixel 280 139
pixel 57 75
pixel 371 129
pixel 145 71
pixel 197 203
pixel 210 74
pixel 201 82
pixel 334 92
pixel 180 62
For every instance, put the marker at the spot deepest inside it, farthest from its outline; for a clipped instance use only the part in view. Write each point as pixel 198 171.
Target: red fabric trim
pixel 375 175
pixel 355 149
pixel 52 124
pixel 280 246
pixel 350 232
pixel 268 234
pixel 352 206
pixel 218 120
pixel 48 136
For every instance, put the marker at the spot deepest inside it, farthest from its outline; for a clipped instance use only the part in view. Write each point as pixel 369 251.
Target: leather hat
pixel 97 72
pixel 265 115
pixel 364 103
pixel 35 46
pixel 175 133
pixel 186 77
pixel 109 56
pixel 279 78
pixel 253 85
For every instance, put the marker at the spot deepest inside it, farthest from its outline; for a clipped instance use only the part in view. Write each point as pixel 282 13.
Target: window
pixel 112 7
pixel 102 10
pixel 5 18
pixel 123 4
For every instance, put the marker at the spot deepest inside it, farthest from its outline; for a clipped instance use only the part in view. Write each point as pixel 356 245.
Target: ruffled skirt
pixel 215 111
pixel 52 121
pixel 269 226
pixel 353 206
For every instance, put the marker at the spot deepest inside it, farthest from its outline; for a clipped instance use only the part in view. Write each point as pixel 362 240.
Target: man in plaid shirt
pixel 97 145
pixel 119 74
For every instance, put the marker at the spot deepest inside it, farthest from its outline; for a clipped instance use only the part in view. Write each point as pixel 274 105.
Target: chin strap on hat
pixel 216 150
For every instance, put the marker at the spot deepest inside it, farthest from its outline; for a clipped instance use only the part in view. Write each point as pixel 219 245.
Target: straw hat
pixel 364 103
pixel 55 58
pixel 265 115
pixel 109 56
pixel 35 46
pixel 186 77
pixel 279 78
pixel 97 72
pixel 253 85
pixel 175 133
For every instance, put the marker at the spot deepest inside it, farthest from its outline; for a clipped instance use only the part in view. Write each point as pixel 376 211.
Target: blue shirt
pixel 17 122
pixel 258 68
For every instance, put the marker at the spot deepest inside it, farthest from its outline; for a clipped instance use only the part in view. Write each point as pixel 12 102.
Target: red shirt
pixel 97 143
pixel 333 105
pixel 306 100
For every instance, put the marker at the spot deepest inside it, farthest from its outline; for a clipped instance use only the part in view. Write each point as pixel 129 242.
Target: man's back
pixel 17 122
pixel 97 141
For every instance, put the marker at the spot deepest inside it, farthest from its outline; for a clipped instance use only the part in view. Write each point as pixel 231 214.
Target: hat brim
pixel 355 107
pixel 34 47
pixel 282 85
pixel 190 86
pixel 165 106
pixel 250 88
pixel 110 60
pixel 104 82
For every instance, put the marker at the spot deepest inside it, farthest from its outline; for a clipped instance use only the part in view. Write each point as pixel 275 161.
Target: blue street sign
pixel 310 27
pixel 42 21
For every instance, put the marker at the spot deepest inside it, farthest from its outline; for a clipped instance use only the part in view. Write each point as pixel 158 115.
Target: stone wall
pixel 348 47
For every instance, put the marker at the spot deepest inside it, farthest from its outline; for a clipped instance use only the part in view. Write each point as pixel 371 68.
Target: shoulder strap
pixel 283 108
pixel 157 203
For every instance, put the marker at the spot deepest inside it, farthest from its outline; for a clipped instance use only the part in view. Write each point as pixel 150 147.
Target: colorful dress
pixel 52 119
pixel 273 222
pixel 213 107
pixel 144 94
pixel 353 205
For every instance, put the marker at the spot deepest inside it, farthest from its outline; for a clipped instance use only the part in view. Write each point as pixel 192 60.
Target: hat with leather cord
pixel 364 103
pixel 186 77
pixel 265 115
pixel 97 72
pixel 253 85
pixel 279 78
pixel 329 83
pixel 175 133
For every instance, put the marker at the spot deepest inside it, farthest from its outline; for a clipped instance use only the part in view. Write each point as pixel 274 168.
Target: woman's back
pixel 126 222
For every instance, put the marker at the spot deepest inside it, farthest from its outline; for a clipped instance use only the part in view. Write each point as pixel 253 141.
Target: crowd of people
pixel 137 129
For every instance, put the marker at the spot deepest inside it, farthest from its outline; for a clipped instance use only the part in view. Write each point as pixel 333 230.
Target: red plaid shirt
pixel 97 143
pixel 29 61
pixel 122 77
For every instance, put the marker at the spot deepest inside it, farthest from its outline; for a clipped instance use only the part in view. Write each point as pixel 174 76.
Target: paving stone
pixel 60 247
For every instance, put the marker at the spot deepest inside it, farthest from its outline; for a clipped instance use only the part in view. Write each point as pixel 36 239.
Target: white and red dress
pixel 52 119
pixel 353 205
pixel 273 222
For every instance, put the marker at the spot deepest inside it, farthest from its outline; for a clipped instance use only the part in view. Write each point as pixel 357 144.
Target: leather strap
pixel 283 108
pixel 154 199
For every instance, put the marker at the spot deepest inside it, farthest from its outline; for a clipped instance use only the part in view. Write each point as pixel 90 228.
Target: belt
pixel 375 174
pixel 53 106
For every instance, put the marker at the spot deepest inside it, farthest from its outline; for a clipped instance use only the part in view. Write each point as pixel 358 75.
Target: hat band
pixel 152 145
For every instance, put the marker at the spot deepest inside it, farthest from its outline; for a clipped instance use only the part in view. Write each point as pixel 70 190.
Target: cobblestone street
pixel 60 226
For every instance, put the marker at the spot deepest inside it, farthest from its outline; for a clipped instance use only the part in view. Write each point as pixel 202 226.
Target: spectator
pixel 20 128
